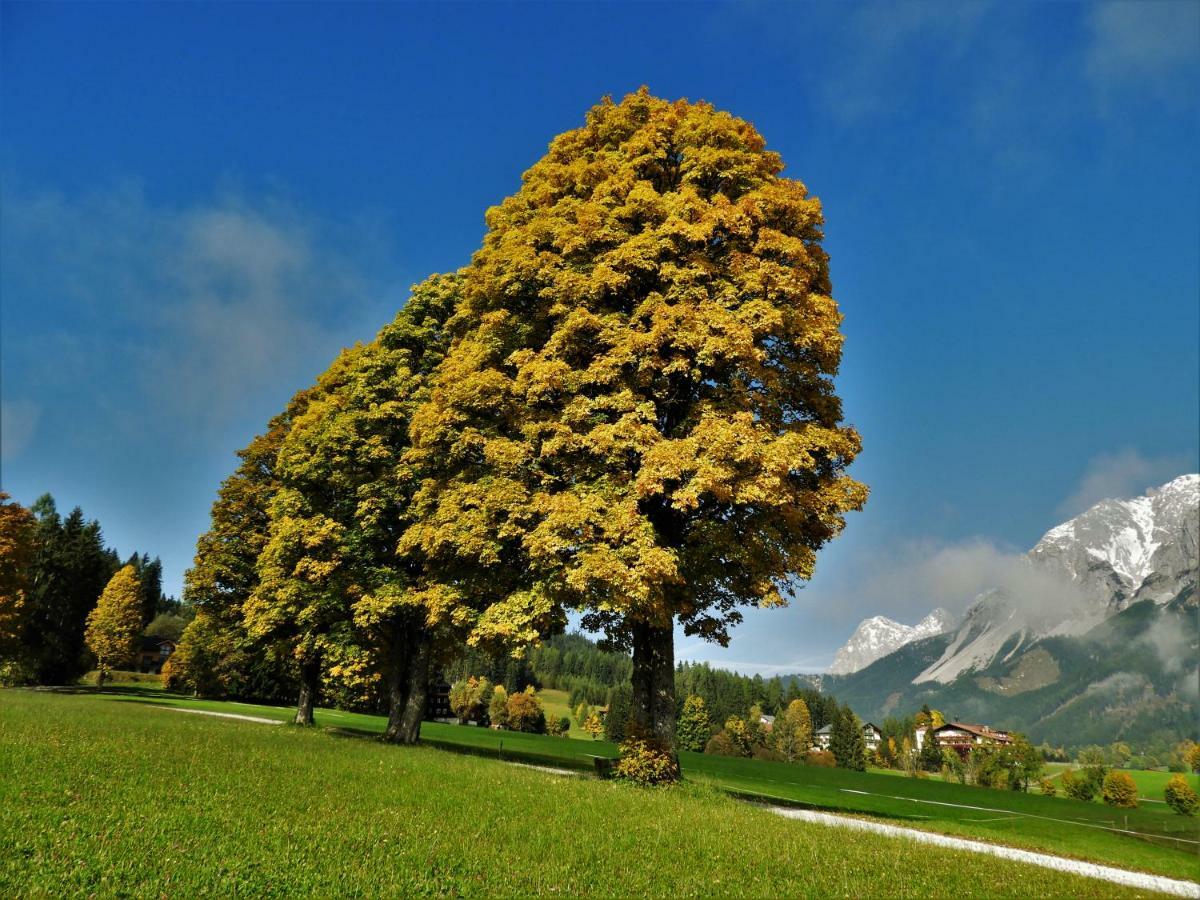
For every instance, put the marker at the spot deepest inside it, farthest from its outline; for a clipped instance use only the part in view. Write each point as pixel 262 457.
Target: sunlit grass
pixel 119 798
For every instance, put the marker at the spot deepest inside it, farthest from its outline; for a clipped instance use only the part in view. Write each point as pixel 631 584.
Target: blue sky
pixel 202 203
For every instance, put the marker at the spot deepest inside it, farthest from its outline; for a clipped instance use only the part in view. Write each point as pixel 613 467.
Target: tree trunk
pixel 101 677
pixel 654 684
pixel 408 688
pixel 418 691
pixel 310 676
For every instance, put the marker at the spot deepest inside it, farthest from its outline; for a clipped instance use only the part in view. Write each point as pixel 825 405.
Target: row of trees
pixel 53 570
pixel 623 406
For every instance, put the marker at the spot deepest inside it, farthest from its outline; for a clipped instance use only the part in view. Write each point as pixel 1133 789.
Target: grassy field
pixel 1150 783
pixel 1160 842
pixel 107 798
pixel 557 704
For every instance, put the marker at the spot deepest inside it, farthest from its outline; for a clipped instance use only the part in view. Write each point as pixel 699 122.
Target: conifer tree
pixel 70 569
pixel 847 743
pixel 114 625
pixel 637 416
pixel 694 727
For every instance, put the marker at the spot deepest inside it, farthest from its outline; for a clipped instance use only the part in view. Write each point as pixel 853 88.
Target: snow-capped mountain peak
pixel 1116 553
pixel 878 636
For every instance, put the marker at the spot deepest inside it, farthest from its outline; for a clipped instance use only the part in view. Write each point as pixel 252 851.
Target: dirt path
pixel 220 715
pixel 1045 860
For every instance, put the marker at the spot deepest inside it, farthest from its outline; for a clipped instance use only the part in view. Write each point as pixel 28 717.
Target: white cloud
pixel 1145 45
pixel 888 43
pixel 196 310
pixel 18 424
pixel 1119 475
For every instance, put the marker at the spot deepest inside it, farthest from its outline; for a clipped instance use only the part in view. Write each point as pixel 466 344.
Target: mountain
pixel 878 636
pixel 1080 573
pixel 1097 640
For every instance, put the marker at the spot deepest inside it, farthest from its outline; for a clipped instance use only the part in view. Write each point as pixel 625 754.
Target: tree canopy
pixel 636 417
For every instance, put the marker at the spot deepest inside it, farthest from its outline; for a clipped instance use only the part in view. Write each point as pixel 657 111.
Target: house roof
pixel 825 729
pixel 982 731
pixel 154 643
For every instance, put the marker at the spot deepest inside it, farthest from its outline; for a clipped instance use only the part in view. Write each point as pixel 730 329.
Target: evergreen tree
pixel 931 752
pixel 637 417
pixel 846 743
pixel 114 625
pixel 617 717
pixel 70 569
pixel 694 727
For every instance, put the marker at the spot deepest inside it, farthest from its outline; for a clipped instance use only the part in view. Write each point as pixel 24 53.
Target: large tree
pixel 637 417
pixel 344 500
pixel 217 655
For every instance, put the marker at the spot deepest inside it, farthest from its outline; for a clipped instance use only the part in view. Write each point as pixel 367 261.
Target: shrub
pixel 1120 790
pixel 525 712
pixel 769 754
pixel 646 762
pixel 739 735
pixel 593 726
pixel 1181 797
pixel 821 758
pixel 721 744
pixel 1078 788
pixel 469 697
pixel 1047 787
pixel 498 707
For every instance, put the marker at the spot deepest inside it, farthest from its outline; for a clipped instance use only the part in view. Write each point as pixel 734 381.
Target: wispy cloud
pixel 888 47
pixel 1126 473
pixel 1148 47
pixel 18 423
pixel 194 309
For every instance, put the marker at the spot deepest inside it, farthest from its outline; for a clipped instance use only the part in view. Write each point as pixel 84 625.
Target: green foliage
pixel 1047 787
pixel 498 707
pixel 69 569
pixel 931 752
pixel 693 728
pixel 1181 796
pixel 723 744
pixel 167 626
pixel 1119 790
pixel 953 766
pixel 847 743
pixel 469 698
pixel 1078 787
pixel 217 656
pixel 616 719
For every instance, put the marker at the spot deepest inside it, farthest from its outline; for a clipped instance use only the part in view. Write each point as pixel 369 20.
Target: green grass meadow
pixel 101 793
